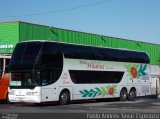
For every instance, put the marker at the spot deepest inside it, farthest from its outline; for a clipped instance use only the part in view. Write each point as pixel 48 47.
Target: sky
pixel 129 19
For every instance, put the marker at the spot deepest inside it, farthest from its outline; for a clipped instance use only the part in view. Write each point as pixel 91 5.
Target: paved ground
pixel 142 108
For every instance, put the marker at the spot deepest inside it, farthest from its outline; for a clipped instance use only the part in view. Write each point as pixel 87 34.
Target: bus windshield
pixel 35 64
pixel 25 79
pixel 23 65
pixel 26 53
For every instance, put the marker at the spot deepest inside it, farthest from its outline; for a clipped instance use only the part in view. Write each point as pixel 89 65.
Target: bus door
pixel 155 86
pixel 4 76
pixel 155 80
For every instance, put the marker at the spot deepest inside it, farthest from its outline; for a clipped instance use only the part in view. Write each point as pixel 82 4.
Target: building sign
pixel 6 46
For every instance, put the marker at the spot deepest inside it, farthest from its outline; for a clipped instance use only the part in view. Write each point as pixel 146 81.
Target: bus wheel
pixel 64 98
pixel 123 95
pixel 132 95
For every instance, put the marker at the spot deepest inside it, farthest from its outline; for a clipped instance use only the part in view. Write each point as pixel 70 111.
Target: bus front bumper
pixel 27 99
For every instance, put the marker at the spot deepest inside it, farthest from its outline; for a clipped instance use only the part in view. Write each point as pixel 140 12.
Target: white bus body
pixel 135 77
pixel 52 92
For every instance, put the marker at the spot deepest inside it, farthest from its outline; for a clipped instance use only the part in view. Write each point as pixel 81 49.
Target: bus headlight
pixel 11 92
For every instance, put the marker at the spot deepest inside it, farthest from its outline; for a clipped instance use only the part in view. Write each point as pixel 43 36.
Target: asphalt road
pixel 142 108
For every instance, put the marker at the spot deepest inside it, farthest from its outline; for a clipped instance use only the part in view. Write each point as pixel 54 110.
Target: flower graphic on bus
pixel 102 91
pixel 111 91
pixel 136 71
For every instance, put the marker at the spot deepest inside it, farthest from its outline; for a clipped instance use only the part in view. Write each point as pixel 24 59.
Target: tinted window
pixel 142 57
pixel 49 76
pixel 69 50
pixel 52 56
pixel 110 54
pixel 126 56
pixel 26 53
pixel 107 54
pixel 25 79
pixel 90 77
pixel 77 52
pixel 84 52
pixel 17 54
pixel 52 63
pixel 31 52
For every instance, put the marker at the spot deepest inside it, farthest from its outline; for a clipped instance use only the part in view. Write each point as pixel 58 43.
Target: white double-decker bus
pixel 45 71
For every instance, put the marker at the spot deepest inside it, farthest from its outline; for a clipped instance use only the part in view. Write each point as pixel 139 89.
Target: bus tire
pixel 132 95
pixel 123 94
pixel 64 97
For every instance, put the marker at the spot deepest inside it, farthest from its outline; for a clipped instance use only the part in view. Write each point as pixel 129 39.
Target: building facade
pixel 13 32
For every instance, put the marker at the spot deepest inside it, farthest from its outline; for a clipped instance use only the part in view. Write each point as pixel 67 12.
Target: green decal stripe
pixel 102 91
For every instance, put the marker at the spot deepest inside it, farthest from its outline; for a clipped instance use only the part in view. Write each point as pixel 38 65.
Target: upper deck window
pixel 26 53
